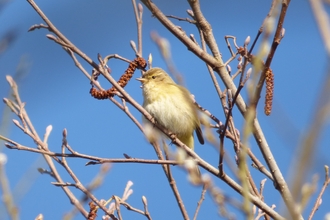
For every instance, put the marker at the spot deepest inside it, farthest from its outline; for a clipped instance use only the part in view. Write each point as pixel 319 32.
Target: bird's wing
pixel 198 130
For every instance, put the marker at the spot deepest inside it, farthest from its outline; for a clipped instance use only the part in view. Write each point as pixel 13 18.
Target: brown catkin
pixel 138 62
pixel 269 91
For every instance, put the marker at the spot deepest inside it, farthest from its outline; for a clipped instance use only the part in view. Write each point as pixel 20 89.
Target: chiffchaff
pixel 171 105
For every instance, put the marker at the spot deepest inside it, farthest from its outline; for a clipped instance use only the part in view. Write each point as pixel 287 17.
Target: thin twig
pixel 145 203
pixel 174 187
pixel 95 160
pixel 319 198
pixel 199 204
pixel 181 19
pixel 138 11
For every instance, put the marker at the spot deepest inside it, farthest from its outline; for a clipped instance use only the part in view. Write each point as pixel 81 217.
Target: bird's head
pixel 155 76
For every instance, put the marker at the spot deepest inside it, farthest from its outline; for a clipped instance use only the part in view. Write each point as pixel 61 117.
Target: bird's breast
pixel 171 110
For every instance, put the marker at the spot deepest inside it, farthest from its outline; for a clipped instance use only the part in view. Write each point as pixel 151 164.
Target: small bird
pixel 171 105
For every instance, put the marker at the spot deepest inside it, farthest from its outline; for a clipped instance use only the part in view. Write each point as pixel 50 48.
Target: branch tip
pixel 190 13
pixel 140 7
pixel 10 80
pixel 247 41
pixel 16 122
pixel 65 133
pixel 49 129
pixel 51 37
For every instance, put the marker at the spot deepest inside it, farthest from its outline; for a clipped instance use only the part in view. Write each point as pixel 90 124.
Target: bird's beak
pixel 142 80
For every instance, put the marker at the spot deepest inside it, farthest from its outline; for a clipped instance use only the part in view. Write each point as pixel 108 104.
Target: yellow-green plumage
pixel 171 105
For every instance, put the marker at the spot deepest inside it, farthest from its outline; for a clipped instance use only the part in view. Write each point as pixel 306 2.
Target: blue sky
pixel 57 93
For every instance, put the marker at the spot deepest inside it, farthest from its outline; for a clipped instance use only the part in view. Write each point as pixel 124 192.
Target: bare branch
pixel 318 201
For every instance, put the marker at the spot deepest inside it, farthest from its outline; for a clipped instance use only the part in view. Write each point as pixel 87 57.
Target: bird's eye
pixel 154 77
